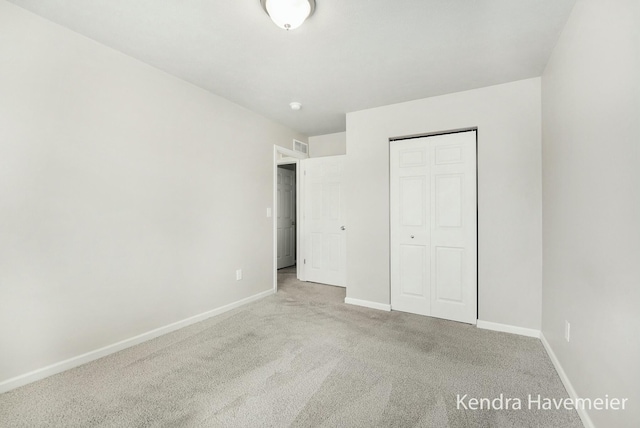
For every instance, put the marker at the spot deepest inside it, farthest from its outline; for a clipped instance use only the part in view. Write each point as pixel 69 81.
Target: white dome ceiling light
pixel 295 106
pixel 288 14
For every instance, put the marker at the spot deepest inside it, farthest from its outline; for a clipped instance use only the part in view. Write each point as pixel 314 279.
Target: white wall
pixel 328 145
pixel 127 197
pixel 591 200
pixel 509 195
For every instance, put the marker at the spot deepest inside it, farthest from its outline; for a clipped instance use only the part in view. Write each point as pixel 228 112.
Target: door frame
pixel 284 156
pixel 433 134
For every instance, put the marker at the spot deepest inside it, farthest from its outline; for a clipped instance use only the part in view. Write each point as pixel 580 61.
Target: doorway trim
pixel 284 156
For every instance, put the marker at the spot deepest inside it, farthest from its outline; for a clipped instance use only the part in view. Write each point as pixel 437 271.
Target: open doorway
pixel 288 241
pixel 318 224
pixel 286 218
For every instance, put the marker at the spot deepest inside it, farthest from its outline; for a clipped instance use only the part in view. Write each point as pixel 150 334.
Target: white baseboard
pixel 367 304
pixel 506 328
pixel 586 420
pixel 79 360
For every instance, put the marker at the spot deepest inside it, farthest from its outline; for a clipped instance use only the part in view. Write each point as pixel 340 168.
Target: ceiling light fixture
pixel 288 14
pixel 295 106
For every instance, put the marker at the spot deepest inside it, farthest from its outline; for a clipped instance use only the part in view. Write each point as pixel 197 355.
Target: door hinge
pixel 305 262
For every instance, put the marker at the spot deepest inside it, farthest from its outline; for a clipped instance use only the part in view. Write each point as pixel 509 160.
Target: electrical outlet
pixel 567 330
pixel 238 274
pixel 269 212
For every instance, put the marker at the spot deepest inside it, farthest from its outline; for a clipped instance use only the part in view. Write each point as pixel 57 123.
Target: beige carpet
pixel 300 358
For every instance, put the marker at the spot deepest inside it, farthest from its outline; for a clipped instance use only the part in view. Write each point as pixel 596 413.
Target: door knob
pixel 343 228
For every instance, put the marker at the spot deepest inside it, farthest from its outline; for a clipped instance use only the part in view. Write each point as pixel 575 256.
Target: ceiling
pixel 350 55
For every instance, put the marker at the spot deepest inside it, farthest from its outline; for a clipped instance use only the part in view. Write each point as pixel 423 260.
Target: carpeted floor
pixel 301 358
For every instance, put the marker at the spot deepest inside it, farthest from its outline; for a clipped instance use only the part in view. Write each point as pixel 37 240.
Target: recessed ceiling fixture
pixel 295 106
pixel 288 14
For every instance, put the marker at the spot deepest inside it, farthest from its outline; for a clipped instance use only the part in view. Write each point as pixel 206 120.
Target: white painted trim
pixel 506 328
pixel 300 222
pixel 287 161
pixel 79 360
pixel 367 304
pixel 586 420
pixel 290 153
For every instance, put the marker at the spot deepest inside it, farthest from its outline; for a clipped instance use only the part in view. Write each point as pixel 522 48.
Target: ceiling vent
pixel 300 147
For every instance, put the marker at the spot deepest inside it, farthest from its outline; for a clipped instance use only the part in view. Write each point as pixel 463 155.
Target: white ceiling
pixel 350 55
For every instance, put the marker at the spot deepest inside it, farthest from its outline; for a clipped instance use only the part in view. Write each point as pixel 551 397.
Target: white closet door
pixel 325 237
pixel 286 217
pixel 433 226
pixel 410 227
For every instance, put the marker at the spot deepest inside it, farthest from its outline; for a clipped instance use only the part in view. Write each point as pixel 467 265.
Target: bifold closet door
pixel 433 226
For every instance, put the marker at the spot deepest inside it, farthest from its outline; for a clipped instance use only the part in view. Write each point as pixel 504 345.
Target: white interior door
pixel 410 228
pixel 286 217
pixel 433 226
pixel 325 226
